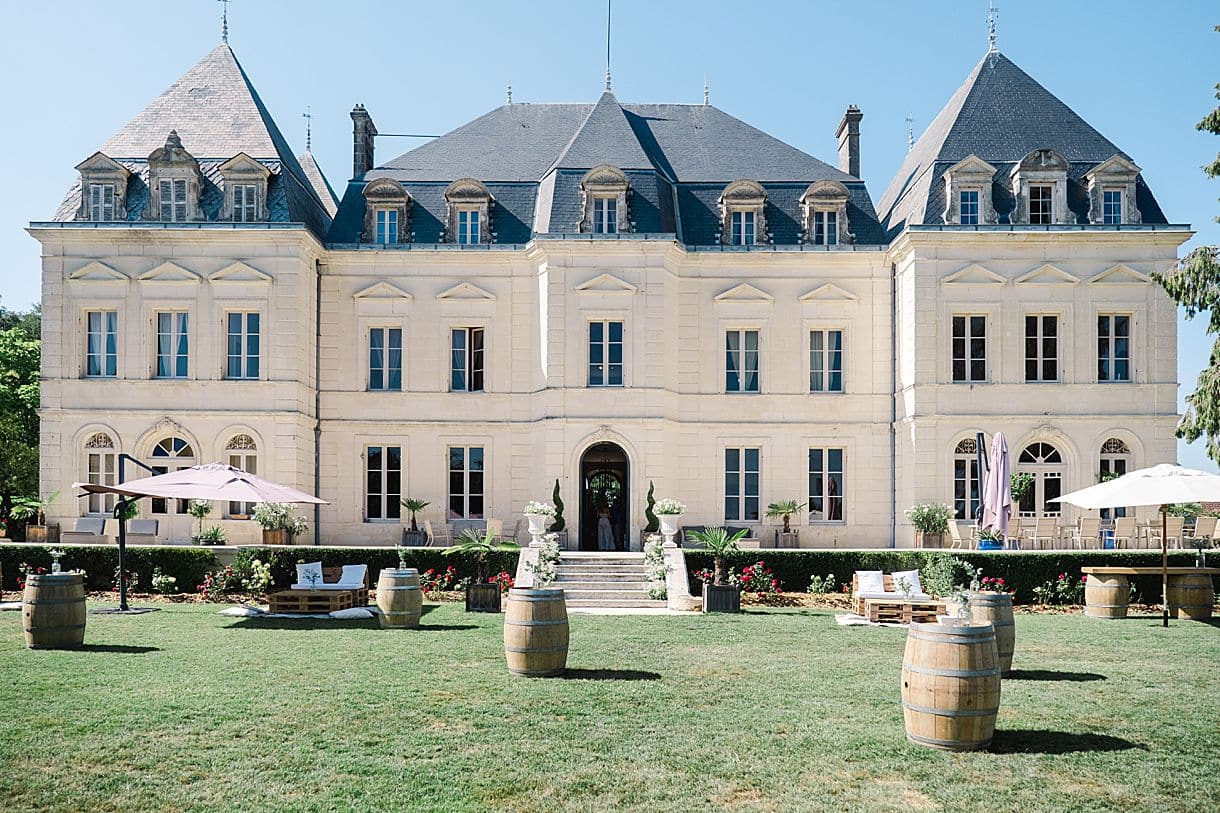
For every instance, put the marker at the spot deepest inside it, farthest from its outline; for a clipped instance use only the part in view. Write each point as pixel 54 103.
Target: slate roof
pixel 1001 114
pixel 218 113
pixel 674 155
pixel 317 180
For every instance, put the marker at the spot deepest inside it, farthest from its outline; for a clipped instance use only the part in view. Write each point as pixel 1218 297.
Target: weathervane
pixel 705 93
pixel 308 116
pixel 510 91
pixel 224 20
pixel 992 12
pixel 607 46
pixel 910 133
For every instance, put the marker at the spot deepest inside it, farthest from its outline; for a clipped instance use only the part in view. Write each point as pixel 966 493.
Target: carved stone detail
pixel 468 194
pixel 173 162
pixel 241 442
pixel 1042 167
pixel 386 193
pixel 1115 172
pixel 99 168
pixel 826 196
pixel 743 196
pixel 99 440
pixel 970 174
pixel 605 181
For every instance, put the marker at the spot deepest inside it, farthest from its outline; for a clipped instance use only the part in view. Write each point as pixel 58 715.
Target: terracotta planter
pixel 279 537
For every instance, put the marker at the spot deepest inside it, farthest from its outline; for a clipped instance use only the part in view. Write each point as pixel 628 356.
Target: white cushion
pixel 896 596
pixel 352 576
pixel 912 577
pixel 303 572
pixel 870 581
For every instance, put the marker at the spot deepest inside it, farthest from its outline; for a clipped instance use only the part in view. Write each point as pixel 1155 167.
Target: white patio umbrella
pixel 211 481
pixel 1158 485
pixel 997 488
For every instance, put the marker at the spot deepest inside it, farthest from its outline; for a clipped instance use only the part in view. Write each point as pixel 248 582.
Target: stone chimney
pixel 363 131
pixel 849 141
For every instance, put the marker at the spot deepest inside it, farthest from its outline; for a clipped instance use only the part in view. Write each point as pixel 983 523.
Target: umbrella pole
pixel 120 511
pixel 1164 567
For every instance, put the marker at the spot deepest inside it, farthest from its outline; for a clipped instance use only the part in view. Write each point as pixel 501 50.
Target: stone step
pixel 562 568
pixel 574 584
pixel 634 603
pixel 573 556
pixel 607 596
pixel 566 577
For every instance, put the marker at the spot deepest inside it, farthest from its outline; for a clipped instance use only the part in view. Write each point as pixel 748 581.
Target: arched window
pixel 1044 463
pixel 171 454
pixel 242 452
pixel 1115 455
pixel 966 479
pixel 100 467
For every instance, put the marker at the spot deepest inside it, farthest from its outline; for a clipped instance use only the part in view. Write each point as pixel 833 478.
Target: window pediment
pixel 974 274
pixel 1042 168
pixel 95 271
pixel 468 212
pixel 1120 275
pixel 239 272
pixel 971 175
pixel 382 290
pixel 745 202
pixel 829 292
pixel 1116 175
pixel 389 196
pixel 101 170
pixel 606 284
pixel 240 173
pixel 745 292
pixel 605 201
pixel 466 291
pixel 1047 275
pixel 170 272
pixel 824 213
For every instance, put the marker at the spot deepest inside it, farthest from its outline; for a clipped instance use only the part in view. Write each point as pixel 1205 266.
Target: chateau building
pixel 606 296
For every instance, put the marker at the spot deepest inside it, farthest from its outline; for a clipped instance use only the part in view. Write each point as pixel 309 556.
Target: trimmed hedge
pixel 1023 570
pixel 283 560
pixel 186 564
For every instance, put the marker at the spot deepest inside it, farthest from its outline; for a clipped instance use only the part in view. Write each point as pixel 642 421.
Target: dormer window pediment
pixel 824 214
pixel 387 213
pixel 1112 185
pixel 743 219
pixel 605 193
pixel 103 189
pixel 1039 183
pixel 245 180
pixel 968 198
pixel 468 213
pixel 174 183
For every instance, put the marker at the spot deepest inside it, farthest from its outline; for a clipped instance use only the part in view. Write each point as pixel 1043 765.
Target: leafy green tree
pixel 20 353
pixel 1195 285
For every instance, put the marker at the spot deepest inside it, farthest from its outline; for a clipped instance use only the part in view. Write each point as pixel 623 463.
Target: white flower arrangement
pixel 540 509
pixel 548 557
pixel 668 506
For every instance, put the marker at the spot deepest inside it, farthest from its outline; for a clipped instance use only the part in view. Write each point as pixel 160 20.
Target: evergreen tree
pixel 1195 285
pixel 654 524
pixel 20 354
pixel 559 524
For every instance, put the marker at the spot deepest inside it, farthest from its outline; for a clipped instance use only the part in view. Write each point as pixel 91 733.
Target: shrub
pixel 930 518
pixel 1063 589
pixel 434 581
pixel 100 562
pixel 283 560
pixel 504 579
pixel 655 570
pixel 162 583
pixel 822 584
pixel 942 573
pixel 758 578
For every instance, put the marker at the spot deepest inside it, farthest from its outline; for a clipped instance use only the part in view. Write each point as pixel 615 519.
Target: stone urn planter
pixel 669 523
pixel 721 598
pixel 538 523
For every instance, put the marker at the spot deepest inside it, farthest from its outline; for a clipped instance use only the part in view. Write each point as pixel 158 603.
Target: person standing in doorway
pixel 605 531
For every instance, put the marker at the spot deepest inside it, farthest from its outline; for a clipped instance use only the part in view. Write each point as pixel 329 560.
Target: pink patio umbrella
pixel 997 488
pixel 211 481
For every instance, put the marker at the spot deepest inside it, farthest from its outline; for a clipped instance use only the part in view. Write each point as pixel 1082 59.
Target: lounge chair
pixel 1087 534
pixel 956 540
pixel 87 530
pixel 888 603
pixel 1173 532
pixel 1205 528
pixel 1124 533
pixel 142 531
pixel 351 578
pixel 442 539
pixel 1044 534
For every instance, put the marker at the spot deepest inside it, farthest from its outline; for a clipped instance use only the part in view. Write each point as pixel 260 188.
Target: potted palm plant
pixel 33 510
pixel 931 521
pixel 482 595
pixel 414 537
pixel 784 509
pixel 719 596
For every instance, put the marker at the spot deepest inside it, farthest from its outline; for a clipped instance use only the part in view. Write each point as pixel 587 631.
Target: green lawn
pixel 186 710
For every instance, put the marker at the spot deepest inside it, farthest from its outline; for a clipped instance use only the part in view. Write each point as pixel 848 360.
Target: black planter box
pixel 722 598
pixel 483 598
pixel 414 539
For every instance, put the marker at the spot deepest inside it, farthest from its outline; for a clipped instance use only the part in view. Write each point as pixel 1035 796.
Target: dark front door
pixel 604 498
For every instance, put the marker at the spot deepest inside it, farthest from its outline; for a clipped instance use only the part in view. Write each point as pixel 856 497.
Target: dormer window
pixel 743 220
pixel 101 201
pixel 245 183
pixel 605 193
pixel 1039 184
pixel 173 200
pixel 968 192
pixel 174 182
pixel 387 212
pixel 1041 205
pixel 824 212
pixel 968 207
pixel 1112 185
pixel 245 203
pixel 468 213
pixel 103 189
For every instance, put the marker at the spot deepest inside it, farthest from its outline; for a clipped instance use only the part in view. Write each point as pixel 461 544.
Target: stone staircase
pixel 610 580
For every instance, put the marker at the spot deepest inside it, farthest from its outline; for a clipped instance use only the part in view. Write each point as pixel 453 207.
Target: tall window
pixel 1111 206
pixel 385 358
pixel 741 361
pixel 383 483
pixel 173 199
pixel 466 486
pixel 242 346
pixel 468 226
pixel 101 353
pixel 1040 204
pixel 101 201
pixel 1113 347
pixel 605 215
pixel 1044 463
pixel 466 359
pixel 245 203
pixel 172 344
pixel 826 485
pixel 387 226
pixel 826 361
pixel 825 228
pixel 171 454
pixel 741 485
pixel 605 354
pixel 100 465
pixel 966 479
pixel 242 453
pixel 969 348
pixel 968 207
pixel 1041 348
pixel 743 227
pixel 1115 455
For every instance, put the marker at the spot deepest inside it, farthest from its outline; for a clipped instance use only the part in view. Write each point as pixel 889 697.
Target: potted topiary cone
pixel 719 596
pixel 560 525
pixel 482 595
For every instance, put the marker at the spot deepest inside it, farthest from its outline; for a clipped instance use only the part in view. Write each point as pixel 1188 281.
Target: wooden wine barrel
pixel 950 685
pixel 997 609
pixel 1106 595
pixel 1190 595
pixel 53 610
pixel 536 632
pixel 399 598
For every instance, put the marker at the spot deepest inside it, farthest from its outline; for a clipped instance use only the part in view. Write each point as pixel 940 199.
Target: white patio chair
pixel 1087 534
pixel 437 539
pixel 1173 532
pixel 1044 533
pixel 1205 529
pixel 1125 533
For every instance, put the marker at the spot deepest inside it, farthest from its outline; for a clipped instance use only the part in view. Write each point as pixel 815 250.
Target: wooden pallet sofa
pixel 339 588
pixel 889 604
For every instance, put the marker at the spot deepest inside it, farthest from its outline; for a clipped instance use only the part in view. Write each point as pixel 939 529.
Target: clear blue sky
pixel 1141 73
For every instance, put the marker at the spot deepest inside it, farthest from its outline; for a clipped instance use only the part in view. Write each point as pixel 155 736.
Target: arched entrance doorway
pixel 604 494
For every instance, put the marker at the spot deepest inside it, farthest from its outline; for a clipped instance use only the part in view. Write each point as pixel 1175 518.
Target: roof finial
pixel 705 94
pixel 308 116
pixel 510 91
pixel 910 133
pixel 992 12
pixel 224 20
pixel 607 46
